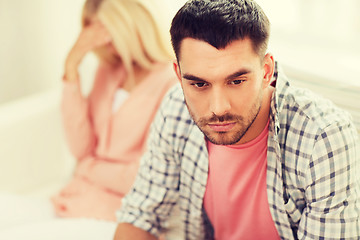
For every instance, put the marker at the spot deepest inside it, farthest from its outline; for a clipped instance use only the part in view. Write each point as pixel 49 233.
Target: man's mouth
pixel 221 127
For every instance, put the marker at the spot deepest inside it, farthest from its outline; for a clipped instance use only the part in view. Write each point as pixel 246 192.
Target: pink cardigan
pixel 108 145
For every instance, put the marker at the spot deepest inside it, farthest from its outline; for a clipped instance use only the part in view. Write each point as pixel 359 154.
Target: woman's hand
pixel 91 37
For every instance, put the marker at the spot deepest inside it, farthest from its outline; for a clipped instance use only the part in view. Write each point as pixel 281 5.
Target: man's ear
pixel 177 70
pixel 269 66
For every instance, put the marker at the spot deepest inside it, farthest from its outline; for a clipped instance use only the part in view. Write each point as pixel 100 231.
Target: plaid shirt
pixel 312 173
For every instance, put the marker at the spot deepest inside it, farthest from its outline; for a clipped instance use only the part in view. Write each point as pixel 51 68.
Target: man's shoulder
pixel 173 103
pixel 303 112
pixel 175 94
pixel 173 109
pixel 314 108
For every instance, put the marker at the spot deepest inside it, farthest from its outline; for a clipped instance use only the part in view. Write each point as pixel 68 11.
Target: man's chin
pixel 222 138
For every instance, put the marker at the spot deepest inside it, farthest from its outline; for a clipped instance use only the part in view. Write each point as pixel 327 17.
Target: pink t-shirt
pixel 236 199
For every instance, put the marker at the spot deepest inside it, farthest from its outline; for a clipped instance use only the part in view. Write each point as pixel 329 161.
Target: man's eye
pixel 237 82
pixel 199 84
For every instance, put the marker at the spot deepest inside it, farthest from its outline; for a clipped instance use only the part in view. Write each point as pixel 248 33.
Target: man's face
pixel 223 89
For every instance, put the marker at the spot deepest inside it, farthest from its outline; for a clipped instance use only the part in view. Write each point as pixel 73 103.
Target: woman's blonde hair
pixel 139 30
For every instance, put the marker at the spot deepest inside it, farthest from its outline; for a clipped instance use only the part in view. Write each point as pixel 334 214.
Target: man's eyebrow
pixel 230 77
pixel 192 78
pixel 237 74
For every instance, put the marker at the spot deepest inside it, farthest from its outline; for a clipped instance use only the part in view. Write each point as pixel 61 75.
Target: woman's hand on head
pixel 91 37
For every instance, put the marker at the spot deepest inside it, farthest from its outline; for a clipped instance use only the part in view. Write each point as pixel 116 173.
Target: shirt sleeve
pixel 333 196
pixel 155 191
pixel 77 121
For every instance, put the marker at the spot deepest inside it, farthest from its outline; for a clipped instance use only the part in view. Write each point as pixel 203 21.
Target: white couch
pixel 33 155
pixel 34 164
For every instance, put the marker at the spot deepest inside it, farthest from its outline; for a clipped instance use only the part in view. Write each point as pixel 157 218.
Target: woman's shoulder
pixel 163 73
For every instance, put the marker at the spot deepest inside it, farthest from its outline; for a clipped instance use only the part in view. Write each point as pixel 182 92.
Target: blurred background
pixel 316 42
pixel 35 38
pixel 320 37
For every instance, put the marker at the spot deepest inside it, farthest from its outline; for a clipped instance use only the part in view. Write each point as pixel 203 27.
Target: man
pixel 236 152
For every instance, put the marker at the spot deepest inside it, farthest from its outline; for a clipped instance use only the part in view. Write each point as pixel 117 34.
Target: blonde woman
pixel 106 131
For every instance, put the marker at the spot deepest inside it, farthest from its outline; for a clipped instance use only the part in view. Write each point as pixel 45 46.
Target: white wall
pixel 318 37
pixel 35 36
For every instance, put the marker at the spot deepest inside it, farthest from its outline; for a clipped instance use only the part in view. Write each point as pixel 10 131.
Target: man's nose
pixel 219 102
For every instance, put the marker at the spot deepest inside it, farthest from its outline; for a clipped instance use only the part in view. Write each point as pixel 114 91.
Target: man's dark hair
pixel 220 22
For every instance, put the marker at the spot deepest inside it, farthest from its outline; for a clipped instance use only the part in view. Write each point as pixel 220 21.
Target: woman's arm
pixel 77 121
